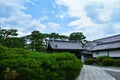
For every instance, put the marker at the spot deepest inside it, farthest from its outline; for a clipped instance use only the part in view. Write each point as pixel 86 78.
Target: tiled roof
pixel 112 42
pixel 69 45
pixel 90 45
pixel 108 39
pixel 107 46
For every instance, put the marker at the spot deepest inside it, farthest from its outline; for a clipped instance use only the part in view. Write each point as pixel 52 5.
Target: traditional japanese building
pixel 109 46
pixel 68 46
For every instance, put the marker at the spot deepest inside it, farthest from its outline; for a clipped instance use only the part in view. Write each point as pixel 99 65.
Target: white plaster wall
pixel 114 53
pixel 100 53
pixel 94 54
pixel 82 58
pixel 103 53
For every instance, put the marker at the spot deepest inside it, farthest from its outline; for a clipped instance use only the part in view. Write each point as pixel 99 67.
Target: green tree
pixel 8 32
pixel 77 36
pixel 5 34
pixel 54 35
pixel 63 37
pixel 15 42
pixel 36 41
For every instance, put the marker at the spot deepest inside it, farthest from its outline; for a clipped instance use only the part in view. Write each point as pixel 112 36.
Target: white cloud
pixel 117 27
pixel 61 15
pixel 43 18
pixel 75 8
pixel 103 9
pixel 13 15
pixel 53 26
pixel 94 22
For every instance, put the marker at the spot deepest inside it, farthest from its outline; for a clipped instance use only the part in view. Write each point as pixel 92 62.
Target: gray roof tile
pixel 107 46
pixel 90 45
pixel 69 45
pixel 108 39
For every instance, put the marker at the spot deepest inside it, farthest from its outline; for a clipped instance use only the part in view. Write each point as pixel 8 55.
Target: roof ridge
pixel 74 41
pixel 107 37
pixel 108 42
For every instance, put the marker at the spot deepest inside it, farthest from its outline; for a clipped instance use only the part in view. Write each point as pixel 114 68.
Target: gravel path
pixel 113 71
pixel 94 73
pixel 116 75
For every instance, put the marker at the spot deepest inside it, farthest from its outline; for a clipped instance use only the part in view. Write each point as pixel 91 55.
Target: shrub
pixel 89 61
pixel 99 59
pixel 36 66
pixel 2 49
pixel 107 62
pixel 14 53
pixel 117 62
pixel 17 51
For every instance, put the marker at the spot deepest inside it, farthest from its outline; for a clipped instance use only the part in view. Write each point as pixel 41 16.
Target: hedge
pixel 89 61
pixel 99 59
pixel 108 62
pixel 38 66
pixel 2 49
pixel 117 62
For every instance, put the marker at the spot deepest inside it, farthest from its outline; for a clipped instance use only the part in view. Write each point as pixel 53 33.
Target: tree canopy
pixel 77 36
pixel 6 35
pixel 37 41
pixel 8 32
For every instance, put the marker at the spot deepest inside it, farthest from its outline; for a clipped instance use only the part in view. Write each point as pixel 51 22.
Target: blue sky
pixel 95 18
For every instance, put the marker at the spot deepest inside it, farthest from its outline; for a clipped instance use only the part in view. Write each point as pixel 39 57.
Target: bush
pixel 2 49
pixel 117 62
pixel 107 62
pixel 89 61
pixel 99 59
pixel 37 66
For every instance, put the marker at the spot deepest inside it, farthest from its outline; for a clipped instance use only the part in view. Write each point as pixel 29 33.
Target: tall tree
pixel 36 40
pixel 16 42
pixel 5 33
pixel 63 37
pixel 77 36
pixel 54 35
pixel 8 32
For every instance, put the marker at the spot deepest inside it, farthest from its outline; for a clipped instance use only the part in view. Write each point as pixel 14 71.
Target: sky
pixel 94 18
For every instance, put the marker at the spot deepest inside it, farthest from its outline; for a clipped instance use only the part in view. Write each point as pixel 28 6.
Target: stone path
pixel 94 73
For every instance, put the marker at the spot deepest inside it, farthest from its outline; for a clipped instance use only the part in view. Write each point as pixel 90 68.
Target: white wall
pixel 103 53
pixel 112 53
pixel 94 54
pixel 100 53
pixel 82 58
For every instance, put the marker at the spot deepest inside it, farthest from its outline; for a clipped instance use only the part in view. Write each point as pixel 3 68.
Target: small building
pixel 109 46
pixel 68 46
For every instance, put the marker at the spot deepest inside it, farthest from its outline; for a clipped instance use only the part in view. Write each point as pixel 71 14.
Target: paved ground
pixel 95 73
pixel 114 74
pixel 113 71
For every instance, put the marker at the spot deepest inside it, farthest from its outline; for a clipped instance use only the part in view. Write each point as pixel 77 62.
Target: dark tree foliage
pixel 63 37
pixel 36 40
pixel 15 42
pixel 6 34
pixel 77 36
pixel 55 36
